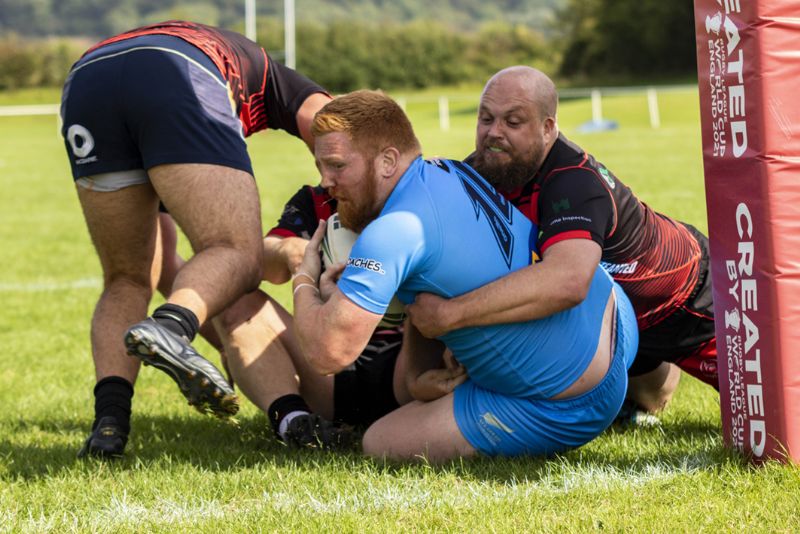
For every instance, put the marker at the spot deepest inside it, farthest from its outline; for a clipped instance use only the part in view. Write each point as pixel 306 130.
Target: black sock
pixel 112 397
pixel 178 320
pixel 283 406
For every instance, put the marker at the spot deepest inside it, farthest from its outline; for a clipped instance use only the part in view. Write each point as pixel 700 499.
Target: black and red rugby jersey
pixel 266 94
pixel 303 212
pixel 654 258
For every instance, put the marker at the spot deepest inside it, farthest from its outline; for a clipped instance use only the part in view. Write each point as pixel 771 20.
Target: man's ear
pixel 550 130
pixel 388 160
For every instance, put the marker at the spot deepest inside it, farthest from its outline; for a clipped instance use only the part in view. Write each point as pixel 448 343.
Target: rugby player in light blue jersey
pixel 537 387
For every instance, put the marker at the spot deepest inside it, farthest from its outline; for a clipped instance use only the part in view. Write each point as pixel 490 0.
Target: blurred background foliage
pixel 347 44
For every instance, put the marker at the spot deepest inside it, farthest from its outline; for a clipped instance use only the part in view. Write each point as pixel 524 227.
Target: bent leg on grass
pixel 653 390
pixel 418 431
pixel 262 356
pixel 218 209
pixel 253 332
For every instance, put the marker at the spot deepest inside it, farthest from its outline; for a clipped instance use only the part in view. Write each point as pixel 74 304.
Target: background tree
pixel 613 39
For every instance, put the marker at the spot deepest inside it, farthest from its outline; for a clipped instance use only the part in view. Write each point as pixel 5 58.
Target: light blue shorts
pixel 497 424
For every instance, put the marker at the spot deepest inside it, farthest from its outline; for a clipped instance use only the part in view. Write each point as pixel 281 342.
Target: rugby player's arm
pixel 305 116
pixel 282 257
pixel 558 282
pixel 331 334
pixel 284 246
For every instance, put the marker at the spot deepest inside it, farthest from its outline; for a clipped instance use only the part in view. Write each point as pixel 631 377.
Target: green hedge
pixel 35 63
pixel 341 56
pixel 348 55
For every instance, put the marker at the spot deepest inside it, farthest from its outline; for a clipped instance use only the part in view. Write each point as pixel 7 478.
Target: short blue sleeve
pixel 389 250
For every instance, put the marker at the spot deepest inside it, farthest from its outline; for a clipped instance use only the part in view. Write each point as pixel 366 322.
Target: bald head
pixel 516 126
pixel 528 83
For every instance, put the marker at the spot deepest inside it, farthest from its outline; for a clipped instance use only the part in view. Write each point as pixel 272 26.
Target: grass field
pixel 183 472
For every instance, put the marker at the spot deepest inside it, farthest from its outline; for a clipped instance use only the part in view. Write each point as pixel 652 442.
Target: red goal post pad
pixel 748 60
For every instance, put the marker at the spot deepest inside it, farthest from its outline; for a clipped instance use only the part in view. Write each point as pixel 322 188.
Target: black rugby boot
pixel 311 431
pixel 107 440
pixel 201 383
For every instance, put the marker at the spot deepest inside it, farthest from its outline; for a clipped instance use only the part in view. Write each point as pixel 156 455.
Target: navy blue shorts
pixel 149 101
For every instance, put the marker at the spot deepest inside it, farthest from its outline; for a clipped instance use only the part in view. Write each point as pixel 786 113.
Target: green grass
pixel 187 473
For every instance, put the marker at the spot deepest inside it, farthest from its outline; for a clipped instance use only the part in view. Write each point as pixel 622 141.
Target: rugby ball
pixel 336 246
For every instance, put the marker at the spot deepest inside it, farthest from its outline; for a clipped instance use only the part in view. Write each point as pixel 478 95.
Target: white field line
pixel 124 511
pixel 46 285
pixel 22 111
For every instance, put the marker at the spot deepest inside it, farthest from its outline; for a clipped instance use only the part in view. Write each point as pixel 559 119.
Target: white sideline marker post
pixel 289 33
pixel 250 19
pixel 444 114
pixel 652 106
pixel 597 106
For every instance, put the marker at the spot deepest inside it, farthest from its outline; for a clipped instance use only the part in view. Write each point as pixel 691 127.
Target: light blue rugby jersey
pixel 445 230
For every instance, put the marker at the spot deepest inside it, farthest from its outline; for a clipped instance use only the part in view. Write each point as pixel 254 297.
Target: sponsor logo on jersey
pixel 619 268
pixel 607 177
pixel 439 163
pixel 368 264
pixel 708 368
pixel 290 210
pixel 561 205
pixel 571 218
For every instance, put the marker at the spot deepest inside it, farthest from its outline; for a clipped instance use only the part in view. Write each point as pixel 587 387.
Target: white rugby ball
pixel 336 246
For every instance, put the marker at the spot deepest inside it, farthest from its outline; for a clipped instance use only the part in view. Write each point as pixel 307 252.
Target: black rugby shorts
pixel 365 393
pixel 687 330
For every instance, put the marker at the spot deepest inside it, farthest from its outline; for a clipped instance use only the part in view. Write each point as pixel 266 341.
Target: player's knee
pixel 251 255
pixel 136 283
pixel 245 255
pixel 371 443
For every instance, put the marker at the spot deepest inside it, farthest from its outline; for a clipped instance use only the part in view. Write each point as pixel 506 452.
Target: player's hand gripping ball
pixel 336 249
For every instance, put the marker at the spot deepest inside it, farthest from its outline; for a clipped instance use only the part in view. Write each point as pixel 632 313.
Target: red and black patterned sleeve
pixel 302 213
pixel 575 203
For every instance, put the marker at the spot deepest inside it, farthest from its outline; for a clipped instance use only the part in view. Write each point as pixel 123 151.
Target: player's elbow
pixel 329 357
pixel 574 290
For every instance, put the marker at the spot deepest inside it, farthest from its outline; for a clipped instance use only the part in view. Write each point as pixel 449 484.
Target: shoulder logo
pixel 607 177
pixel 561 205
pixel 439 163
